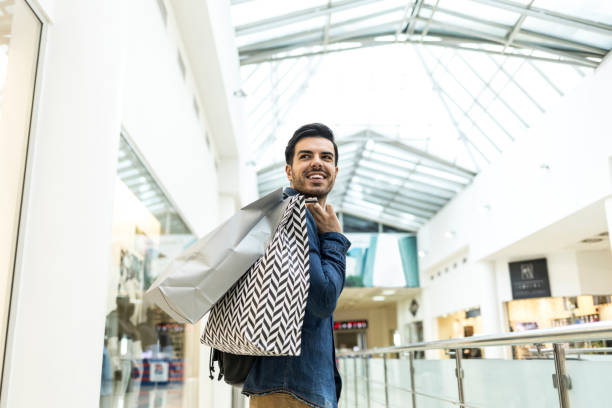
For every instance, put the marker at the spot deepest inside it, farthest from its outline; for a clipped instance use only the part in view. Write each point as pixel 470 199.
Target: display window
pixel 146 361
pixel 20 31
pixel 542 313
pixel 464 323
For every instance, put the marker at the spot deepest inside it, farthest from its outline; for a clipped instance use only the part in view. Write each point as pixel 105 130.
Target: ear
pixel 288 171
pixel 336 170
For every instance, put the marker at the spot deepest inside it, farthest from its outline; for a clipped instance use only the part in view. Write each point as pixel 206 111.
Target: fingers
pixel 315 208
pixel 329 209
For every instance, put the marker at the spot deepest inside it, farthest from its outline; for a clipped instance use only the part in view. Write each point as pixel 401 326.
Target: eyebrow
pixel 310 151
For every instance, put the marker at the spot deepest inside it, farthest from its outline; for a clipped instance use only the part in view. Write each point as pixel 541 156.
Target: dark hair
pixel 309 130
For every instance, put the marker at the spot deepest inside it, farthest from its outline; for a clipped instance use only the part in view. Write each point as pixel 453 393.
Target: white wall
pixel 159 117
pixel 595 269
pixel 208 38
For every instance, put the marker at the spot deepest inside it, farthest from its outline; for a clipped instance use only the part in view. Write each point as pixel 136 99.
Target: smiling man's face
pixel 313 171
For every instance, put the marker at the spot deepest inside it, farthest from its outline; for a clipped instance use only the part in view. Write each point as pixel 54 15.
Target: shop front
pixel 548 312
pixel 351 335
pixel 463 323
pixel 147 355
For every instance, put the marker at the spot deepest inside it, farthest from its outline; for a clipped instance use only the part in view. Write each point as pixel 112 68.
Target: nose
pixel 316 161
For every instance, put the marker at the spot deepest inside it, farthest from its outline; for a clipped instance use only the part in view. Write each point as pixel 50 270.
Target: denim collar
pixel 289 191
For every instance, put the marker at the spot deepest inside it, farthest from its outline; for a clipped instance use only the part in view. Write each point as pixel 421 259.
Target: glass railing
pixel 561 373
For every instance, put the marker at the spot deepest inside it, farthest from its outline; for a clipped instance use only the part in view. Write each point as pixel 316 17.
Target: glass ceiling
pixel 403 83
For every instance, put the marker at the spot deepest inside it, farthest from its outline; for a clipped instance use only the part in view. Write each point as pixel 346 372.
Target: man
pixel 310 379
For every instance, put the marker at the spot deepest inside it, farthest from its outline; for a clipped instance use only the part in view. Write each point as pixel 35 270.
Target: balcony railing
pixel 393 377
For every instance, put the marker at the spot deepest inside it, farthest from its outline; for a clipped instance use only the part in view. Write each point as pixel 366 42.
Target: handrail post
pixel 367 373
pixel 355 381
pixel 412 381
pixel 562 380
pixel 386 381
pixel 459 375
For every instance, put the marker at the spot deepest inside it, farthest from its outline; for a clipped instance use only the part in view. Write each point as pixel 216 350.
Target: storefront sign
pixel 529 279
pixel 159 371
pixel 351 325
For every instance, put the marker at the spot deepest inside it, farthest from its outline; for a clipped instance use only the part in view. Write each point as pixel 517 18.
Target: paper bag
pixel 201 275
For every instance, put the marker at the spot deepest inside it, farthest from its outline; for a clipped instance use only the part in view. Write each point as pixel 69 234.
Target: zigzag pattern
pixel 263 313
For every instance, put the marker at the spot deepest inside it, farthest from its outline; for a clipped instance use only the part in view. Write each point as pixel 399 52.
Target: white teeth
pixel 316 176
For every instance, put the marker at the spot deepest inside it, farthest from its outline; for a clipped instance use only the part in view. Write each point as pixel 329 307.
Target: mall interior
pixel 475 185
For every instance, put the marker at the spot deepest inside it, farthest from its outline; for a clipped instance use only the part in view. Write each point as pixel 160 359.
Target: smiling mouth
pixel 316 177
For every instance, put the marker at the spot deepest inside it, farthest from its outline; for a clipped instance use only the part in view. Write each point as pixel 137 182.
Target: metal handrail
pixel 580 332
pixel 555 336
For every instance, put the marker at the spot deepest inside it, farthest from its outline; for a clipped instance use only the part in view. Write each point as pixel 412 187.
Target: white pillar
pixel 609 209
pixel 490 305
pixel 430 323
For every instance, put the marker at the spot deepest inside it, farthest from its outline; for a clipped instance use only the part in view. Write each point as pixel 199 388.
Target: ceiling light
pixel 378 298
pixel 422 254
pixel 449 234
pixel 388 292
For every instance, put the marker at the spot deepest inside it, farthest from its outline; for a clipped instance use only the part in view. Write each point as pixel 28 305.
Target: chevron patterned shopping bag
pixel 263 313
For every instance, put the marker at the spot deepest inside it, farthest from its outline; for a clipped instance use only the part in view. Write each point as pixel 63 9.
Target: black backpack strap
pixel 215 355
pixel 211 364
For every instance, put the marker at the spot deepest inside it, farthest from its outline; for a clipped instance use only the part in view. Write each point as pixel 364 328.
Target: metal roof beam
pixel 314 33
pixel 387 194
pixel 409 194
pixel 413 16
pixel 551 16
pixel 389 30
pixel 424 213
pixel 450 183
pixel 417 214
pixel 430 160
pixel 523 33
pixel 297 16
pixel 442 95
pixel 475 101
pixel 416 185
pixel 460 43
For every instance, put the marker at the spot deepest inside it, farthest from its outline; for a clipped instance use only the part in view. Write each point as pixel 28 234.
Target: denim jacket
pixel 311 377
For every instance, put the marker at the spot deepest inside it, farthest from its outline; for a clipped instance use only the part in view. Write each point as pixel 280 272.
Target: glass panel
pixel 398 375
pixel 20 32
pixel 435 378
pixel 590 375
pixel 376 371
pixel 146 355
pixel 511 383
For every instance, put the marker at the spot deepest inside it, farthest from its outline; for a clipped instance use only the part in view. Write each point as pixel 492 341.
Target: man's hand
pixel 325 218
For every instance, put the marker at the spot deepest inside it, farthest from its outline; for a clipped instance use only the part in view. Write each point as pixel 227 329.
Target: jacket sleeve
pixel 327 271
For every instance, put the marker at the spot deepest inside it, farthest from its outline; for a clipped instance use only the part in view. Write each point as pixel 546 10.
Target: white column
pixel 430 323
pixel 56 331
pixel 490 305
pixel 609 209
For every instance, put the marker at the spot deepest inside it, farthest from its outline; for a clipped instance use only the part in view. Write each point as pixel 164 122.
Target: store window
pixel 464 323
pixel 148 357
pixel 20 31
pixel 547 312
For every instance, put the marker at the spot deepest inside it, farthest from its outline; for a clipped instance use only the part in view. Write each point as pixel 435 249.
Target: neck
pixel 322 200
